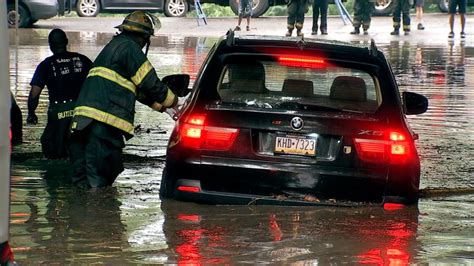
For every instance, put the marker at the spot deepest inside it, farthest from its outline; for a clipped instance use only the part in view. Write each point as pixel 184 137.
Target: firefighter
pixel 363 10
pixel 105 110
pixel 63 73
pixel 296 11
pixel 402 9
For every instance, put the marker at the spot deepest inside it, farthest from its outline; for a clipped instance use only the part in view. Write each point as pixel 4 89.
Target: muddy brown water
pixel 54 223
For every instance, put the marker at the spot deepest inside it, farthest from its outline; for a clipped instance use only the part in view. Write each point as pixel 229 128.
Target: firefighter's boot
pixel 396 31
pixel 355 31
pixel 299 27
pixel 366 29
pixel 290 30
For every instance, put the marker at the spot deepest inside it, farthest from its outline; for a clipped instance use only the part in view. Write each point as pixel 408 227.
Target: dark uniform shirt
pixel 63 74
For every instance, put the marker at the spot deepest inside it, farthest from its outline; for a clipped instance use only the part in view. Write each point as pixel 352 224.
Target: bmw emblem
pixel 297 123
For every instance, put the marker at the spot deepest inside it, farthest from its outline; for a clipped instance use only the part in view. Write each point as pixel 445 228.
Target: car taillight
pixel 195 134
pixel 189 189
pixel 396 149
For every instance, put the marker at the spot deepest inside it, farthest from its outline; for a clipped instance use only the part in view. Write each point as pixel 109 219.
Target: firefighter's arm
pixel 159 97
pixel 33 100
pixel 150 89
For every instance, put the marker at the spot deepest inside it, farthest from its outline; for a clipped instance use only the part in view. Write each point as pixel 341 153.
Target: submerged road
pixel 54 223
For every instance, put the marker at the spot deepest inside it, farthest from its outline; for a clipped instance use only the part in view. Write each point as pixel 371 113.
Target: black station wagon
pixel 278 120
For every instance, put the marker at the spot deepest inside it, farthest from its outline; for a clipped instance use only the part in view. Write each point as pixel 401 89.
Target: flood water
pixel 54 223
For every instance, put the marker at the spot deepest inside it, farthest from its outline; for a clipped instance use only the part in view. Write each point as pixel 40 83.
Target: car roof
pixel 357 52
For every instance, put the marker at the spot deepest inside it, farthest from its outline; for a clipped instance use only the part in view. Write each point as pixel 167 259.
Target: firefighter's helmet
pixel 140 22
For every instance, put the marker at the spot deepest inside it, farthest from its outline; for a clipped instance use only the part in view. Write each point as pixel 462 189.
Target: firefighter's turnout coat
pixel 120 75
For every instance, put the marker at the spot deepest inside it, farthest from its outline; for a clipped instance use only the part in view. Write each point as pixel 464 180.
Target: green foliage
pixel 213 11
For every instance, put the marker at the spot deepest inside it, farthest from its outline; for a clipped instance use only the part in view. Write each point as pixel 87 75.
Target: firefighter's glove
pixel 181 101
pixel 172 112
pixel 32 119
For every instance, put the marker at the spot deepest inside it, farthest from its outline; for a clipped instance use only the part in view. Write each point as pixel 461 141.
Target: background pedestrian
pixel 462 6
pixel 245 10
pixel 363 10
pixel 296 10
pixel 419 4
pixel 320 7
pixel 402 10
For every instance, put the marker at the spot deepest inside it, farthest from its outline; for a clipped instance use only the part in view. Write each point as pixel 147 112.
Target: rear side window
pixel 296 85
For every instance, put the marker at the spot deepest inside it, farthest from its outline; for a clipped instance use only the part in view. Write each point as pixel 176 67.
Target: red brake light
pixel 396 149
pixel 189 189
pixel 302 61
pixel 195 134
pixel 393 206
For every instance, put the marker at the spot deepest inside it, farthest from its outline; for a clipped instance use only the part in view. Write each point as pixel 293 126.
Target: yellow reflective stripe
pixel 169 99
pixel 113 76
pixel 104 117
pixel 142 72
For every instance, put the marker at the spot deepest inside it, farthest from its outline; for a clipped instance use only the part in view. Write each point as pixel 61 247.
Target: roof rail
pixel 230 37
pixel 373 48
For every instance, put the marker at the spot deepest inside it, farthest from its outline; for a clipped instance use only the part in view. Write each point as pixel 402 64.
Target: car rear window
pixel 298 85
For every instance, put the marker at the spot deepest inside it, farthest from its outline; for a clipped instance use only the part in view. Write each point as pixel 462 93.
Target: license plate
pixel 295 145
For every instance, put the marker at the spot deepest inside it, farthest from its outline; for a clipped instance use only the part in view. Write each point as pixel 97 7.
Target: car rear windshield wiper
pixel 292 105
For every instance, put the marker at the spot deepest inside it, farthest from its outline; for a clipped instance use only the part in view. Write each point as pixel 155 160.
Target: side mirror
pixel 414 103
pixel 178 83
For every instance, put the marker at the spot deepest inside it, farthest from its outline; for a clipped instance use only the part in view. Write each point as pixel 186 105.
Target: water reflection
pixel 48 212
pixel 203 234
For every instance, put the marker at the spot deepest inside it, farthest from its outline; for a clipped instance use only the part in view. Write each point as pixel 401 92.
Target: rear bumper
pixel 262 181
pixel 226 198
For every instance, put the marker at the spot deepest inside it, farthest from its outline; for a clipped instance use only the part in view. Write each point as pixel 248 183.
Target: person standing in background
pixel 63 73
pixel 419 4
pixel 320 7
pixel 453 4
pixel 401 11
pixel 363 10
pixel 245 10
pixel 296 10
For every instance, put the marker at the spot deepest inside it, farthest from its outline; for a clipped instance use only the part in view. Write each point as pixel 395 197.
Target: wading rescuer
pixel 105 110
pixel 63 73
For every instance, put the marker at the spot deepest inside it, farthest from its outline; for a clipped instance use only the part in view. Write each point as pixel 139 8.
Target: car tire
pixel 87 8
pixel 166 191
pixel 443 5
pixel 176 8
pixel 259 7
pixel 24 20
pixel 384 7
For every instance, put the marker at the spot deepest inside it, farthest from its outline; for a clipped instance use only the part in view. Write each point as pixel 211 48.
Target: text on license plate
pixel 295 145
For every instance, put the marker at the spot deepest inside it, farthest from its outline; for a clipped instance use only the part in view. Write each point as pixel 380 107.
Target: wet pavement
pixel 54 223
